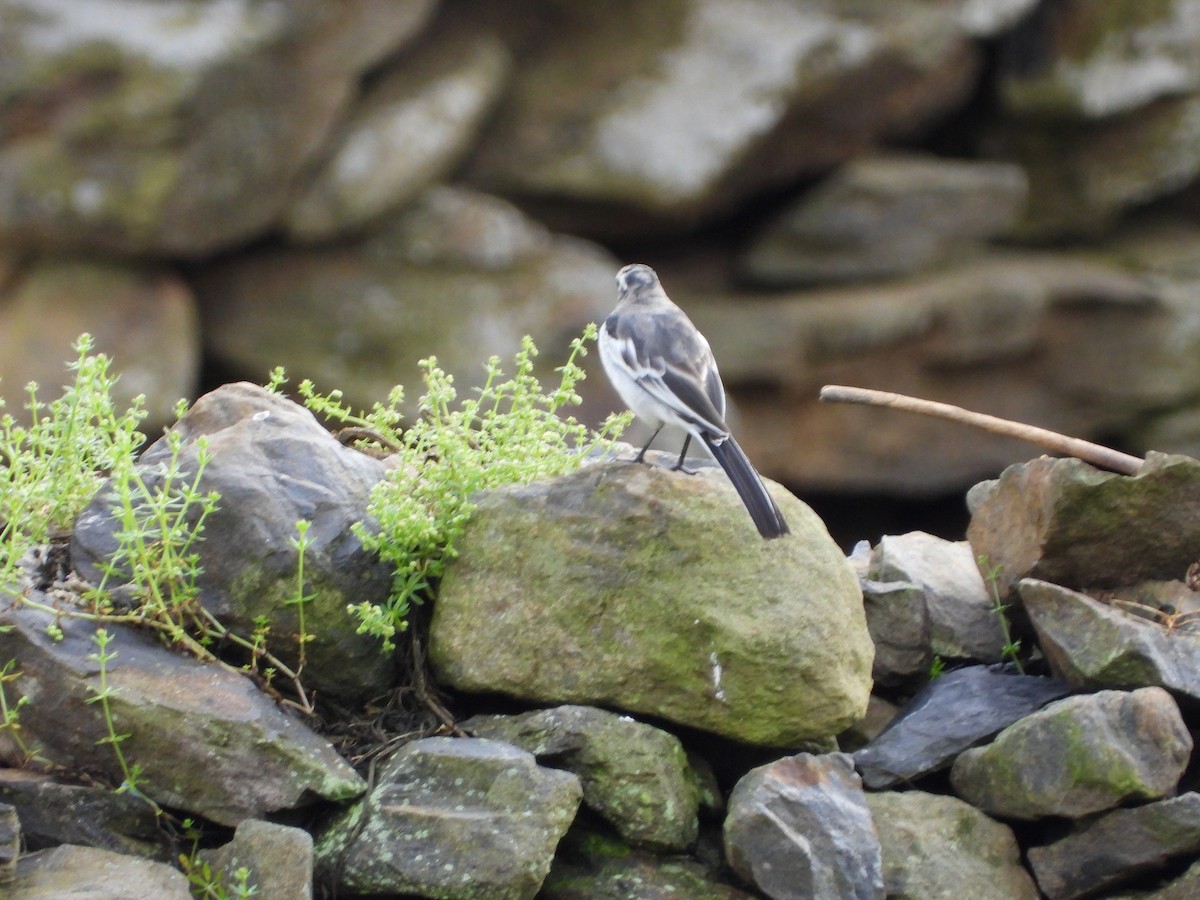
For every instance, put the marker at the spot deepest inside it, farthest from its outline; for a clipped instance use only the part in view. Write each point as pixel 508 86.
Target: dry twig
pixel 1096 454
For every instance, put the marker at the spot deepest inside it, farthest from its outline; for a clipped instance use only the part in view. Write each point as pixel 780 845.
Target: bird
pixel 663 368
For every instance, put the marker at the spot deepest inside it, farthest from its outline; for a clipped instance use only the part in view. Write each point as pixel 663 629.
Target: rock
pixel 987 18
pixel 800 828
pixel 456 275
pixel 1095 645
pixel 886 215
pixel 1118 846
pixel 141 316
pixel 634 776
pixel 955 711
pixel 279 859
pixel 1082 177
pixel 939 848
pixel 1185 887
pixel 135 154
pixel 86 873
pixel 593 866
pixel 409 130
pixel 10 842
pixel 1062 521
pixel 708 101
pixel 898 621
pixel 650 591
pixel 1049 327
pixel 273 464
pixel 879 715
pixel 453 818
pixel 87 815
pixel 208 741
pixel 961 612
pixel 1077 60
pixel 1078 756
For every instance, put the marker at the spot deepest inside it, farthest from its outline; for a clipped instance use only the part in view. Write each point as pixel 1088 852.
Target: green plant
pixel 160 516
pixel 51 467
pixel 301 543
pixel 131 773
pixel 202 880
pixel 510 432
pixel 10 714
pixel 1012 648
pixel 937 668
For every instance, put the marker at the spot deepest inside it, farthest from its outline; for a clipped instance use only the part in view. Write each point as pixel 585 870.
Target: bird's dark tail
pixel 766 515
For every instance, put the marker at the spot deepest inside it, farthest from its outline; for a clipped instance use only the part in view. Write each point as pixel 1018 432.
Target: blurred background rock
pixel 992 203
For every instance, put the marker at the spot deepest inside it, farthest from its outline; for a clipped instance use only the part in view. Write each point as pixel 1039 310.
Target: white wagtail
pixel 663 368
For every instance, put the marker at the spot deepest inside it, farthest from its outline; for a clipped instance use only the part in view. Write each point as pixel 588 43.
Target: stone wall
pixel 985 202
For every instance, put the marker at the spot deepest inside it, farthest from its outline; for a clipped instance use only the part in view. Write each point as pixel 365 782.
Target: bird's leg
pixel 679 466
pixel 641 457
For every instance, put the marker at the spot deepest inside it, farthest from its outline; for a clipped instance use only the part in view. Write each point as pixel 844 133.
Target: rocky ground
pixel 629 694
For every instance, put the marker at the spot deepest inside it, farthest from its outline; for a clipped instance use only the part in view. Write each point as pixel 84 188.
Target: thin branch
pixel 1097 455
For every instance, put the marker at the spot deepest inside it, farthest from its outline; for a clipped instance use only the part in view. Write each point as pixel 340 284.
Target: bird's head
pixel 635 276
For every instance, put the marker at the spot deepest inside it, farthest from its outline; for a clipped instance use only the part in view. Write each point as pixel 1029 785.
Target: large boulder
pixel 672 111
pixel 206 739
pixel 273 464
pixel 153 128
pixel 635 587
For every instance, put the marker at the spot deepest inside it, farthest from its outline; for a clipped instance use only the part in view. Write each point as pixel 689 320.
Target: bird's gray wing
pixel 672 362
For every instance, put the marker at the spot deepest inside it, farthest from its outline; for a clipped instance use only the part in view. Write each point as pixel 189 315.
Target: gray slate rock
pixel 898 620
pixel 611 586
pixel 87 815
pixel 962 619
pixel 940 848
pixel 453 818
pixel 1063 521
pixel 958 710
pixel 69 872
pixel 273 464
pixel 1095 645
pixel 800 829
pixel 634 776
pixel 278 858
pixel 887 215
pixel 1078 756
pixel 1116 847
pixel 208 740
